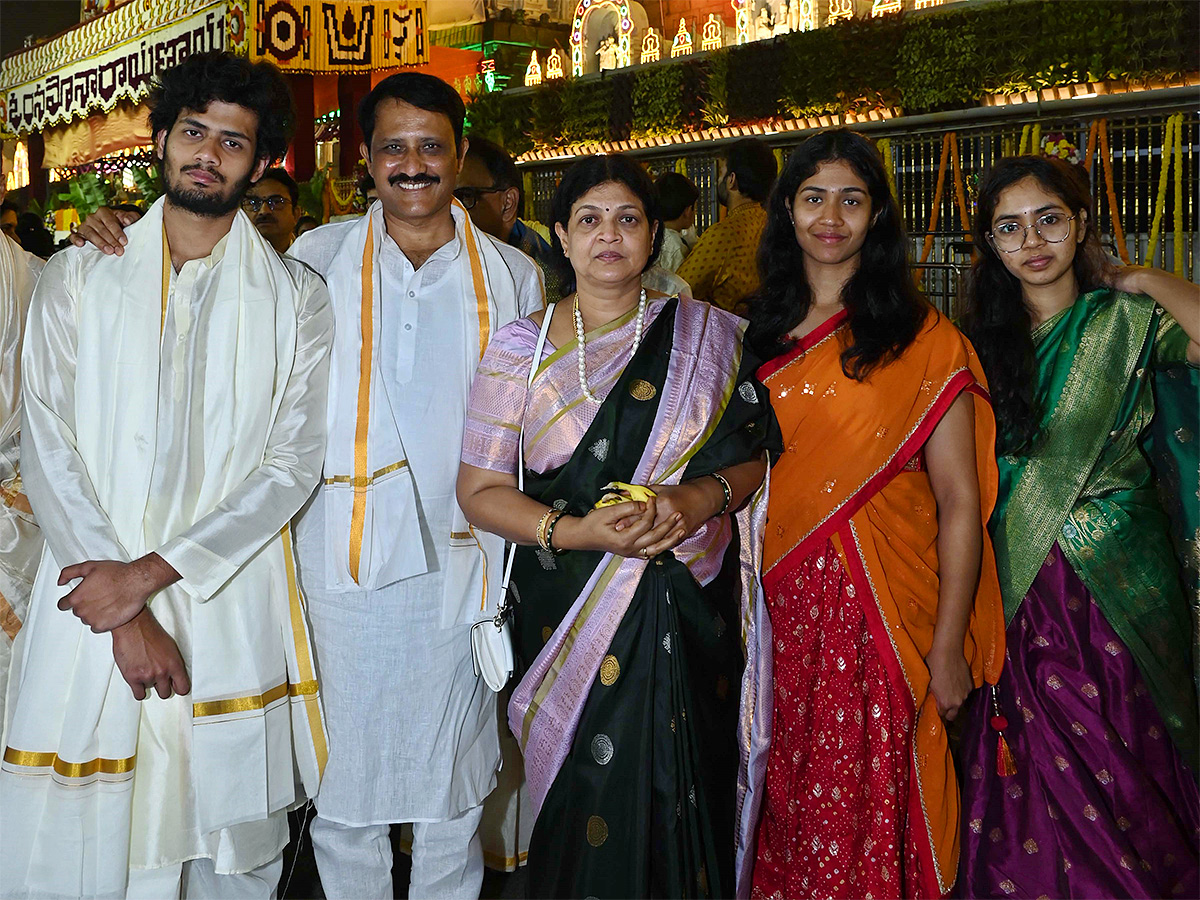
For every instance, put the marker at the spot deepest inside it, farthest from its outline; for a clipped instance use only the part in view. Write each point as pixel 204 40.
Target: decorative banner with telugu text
pixel 339 35
pixel 145 39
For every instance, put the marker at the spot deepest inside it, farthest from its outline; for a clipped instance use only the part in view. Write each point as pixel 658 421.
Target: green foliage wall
pixel 944 59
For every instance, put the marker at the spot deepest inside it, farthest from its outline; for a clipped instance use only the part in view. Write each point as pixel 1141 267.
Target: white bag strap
pixel 502 609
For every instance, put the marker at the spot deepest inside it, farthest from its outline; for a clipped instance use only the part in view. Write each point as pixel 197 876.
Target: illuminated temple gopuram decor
pixel 682 45
pixel 533 72
pixel 651 46
pixel 623 55
pixel 840 9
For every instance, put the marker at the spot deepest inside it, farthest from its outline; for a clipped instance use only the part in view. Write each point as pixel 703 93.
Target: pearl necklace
pixel 581 343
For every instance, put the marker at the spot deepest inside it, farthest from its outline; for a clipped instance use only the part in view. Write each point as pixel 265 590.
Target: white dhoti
pixel 179 413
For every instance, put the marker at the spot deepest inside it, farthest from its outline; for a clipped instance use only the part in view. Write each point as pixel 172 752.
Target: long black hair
pixel 996 318
pixel 886 311
pixel 581 176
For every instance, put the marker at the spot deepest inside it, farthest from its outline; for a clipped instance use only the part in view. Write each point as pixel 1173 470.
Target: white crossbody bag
pixel 491 639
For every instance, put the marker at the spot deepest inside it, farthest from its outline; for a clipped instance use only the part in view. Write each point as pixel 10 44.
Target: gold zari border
pixel 30 760
pixel 363 481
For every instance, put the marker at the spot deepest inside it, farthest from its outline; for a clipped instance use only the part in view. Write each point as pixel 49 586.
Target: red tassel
pixel 1005 764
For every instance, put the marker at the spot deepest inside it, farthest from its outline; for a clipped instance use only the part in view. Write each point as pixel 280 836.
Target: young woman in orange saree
pixel 878 574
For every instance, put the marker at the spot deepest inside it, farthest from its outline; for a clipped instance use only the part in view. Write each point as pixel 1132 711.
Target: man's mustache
pixel 213 172
pixel 400 177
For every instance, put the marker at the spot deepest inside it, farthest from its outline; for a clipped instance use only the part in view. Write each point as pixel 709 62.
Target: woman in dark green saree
pixel 634 622
pixel 1096 701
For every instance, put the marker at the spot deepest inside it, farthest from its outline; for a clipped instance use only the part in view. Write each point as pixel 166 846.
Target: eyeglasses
pixel 1009 237
pixel 469 196
pixel 274 202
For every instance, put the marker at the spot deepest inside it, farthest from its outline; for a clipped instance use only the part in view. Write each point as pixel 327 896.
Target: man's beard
pixel 206 203
pixel 723 191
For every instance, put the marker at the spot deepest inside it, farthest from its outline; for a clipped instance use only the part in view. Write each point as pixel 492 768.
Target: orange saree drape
pixel 851 474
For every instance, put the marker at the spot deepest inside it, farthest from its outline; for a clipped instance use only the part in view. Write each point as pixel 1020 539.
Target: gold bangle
pixel 541 528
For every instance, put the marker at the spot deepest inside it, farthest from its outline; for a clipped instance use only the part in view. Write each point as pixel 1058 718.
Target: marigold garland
pixel 959 191
pixel 889 163
pixel 1106 161
pixel 1024 141
pixel 1160 204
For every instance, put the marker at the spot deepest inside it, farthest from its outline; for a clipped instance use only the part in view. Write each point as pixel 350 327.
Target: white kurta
pixel 209 781
pixel 20 540
pixel 412 729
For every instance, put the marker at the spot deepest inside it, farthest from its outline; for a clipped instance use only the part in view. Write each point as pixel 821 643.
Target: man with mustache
pixel 393 573
pixel 272 203
pixel 174 421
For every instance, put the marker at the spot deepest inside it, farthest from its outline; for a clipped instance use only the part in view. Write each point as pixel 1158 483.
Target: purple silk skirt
pixel 1102 804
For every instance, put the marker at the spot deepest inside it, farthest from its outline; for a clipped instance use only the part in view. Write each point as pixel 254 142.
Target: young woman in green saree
pixel 1096 700
pixel 629 619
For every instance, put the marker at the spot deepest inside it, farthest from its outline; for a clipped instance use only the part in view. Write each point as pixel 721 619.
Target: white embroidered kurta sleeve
pixel 55 477
pixel 207 554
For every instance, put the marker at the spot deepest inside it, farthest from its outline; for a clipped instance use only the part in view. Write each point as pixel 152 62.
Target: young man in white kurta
pixel 173 424
pixel 413 732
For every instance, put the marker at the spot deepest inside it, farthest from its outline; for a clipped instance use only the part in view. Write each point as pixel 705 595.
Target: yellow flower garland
pixel 1173 127
pixel 889 164
pixel 1179 194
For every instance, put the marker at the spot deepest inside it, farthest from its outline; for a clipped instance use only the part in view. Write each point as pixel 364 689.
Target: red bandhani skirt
pixel 835 822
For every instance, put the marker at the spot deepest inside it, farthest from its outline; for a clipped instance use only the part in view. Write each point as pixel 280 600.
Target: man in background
pixel 723 268
pixel 8 220
pixel 489 186
pixel 273 205
pixel 677 198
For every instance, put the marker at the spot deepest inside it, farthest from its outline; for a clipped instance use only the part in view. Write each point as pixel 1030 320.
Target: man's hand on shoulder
pixel 112 592
pixel 149 658
pixel 105 229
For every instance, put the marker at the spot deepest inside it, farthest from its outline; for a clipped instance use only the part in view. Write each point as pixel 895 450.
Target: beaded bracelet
pixel 726 489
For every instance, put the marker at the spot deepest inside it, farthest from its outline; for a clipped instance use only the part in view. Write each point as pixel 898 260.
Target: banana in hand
pixel 621 492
